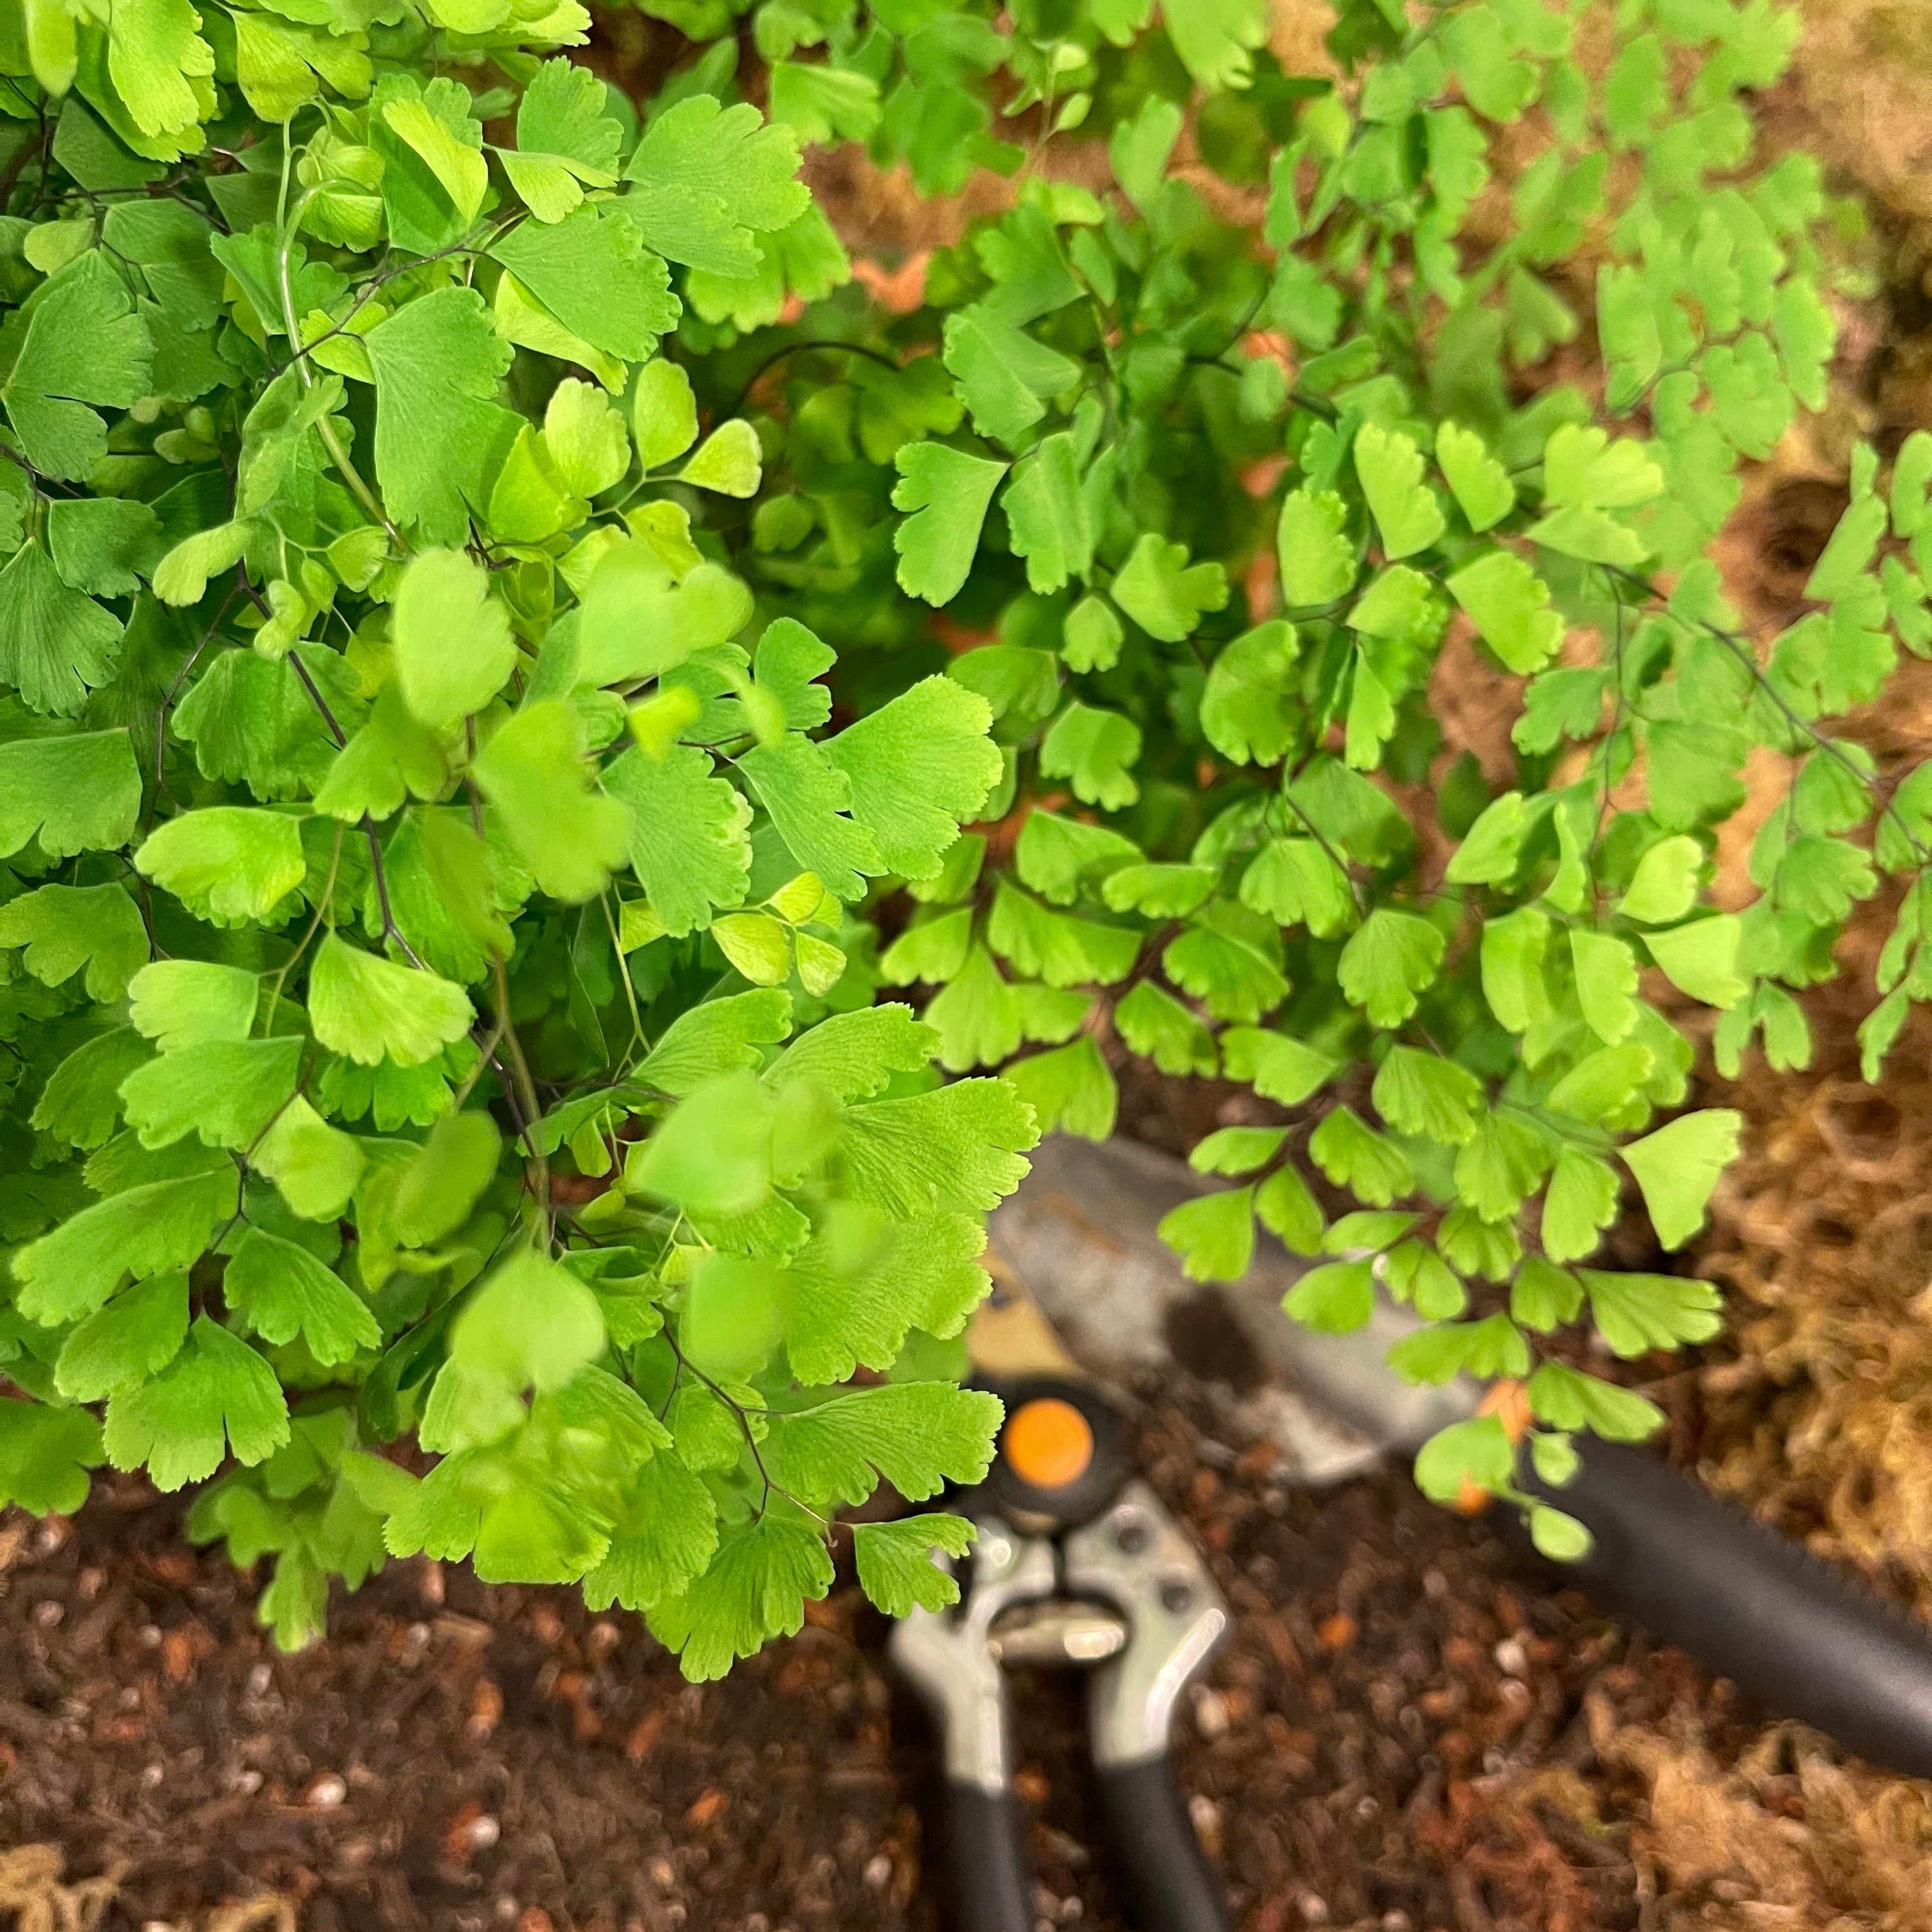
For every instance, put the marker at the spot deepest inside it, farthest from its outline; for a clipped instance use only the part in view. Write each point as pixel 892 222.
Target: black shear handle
pixel 1163 1885
pixel 1797 1638
pixel 992 1887
pixel 1166 1887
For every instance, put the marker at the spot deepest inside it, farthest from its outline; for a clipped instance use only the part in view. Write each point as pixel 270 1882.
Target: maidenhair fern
pixel 474 720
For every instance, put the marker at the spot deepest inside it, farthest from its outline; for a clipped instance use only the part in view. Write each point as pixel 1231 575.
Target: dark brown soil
pixel 1395 1737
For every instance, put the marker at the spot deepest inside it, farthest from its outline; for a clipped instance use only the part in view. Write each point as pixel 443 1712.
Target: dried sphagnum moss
pixel 1785 1840
pixel 1823 1237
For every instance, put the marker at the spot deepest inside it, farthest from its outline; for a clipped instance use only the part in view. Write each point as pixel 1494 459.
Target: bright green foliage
pixel 440 936
pixel 895 1561
pixel 433 1006
pixel 1217 709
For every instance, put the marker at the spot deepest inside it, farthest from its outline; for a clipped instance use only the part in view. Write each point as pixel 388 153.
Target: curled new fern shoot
pixel 492 962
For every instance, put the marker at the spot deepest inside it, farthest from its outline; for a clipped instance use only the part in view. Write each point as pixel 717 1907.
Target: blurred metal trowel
pixel 1080 1276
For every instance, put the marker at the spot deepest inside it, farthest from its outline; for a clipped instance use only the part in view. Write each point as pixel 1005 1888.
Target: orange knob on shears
pixel 1048 1443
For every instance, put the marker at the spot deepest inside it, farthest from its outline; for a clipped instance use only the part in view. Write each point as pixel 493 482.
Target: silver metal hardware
pixel 1057 1631
pixel 1135 1557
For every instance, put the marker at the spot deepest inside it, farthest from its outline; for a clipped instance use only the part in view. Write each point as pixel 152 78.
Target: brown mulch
pixel 1408 1731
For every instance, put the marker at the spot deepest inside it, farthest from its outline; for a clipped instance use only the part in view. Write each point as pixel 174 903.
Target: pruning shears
pixel 1076 1565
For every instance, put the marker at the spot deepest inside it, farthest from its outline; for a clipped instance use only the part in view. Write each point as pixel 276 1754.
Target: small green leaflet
pixel 217 1395
pixel 918 767
pixel 1664 887
pixel 1476 1455
pixel 895 1566
pixel 856 1055
pixel 372 1008
pixel 1606 971
pixel 1502 1165
pixel 145 1231
pixel 1582 1202
pixel 1279 1066
pixel 1071 1090
pixel 565 143
pixel 1506 599
pixel 822 104
pixel 1483 490
pixel 708 180
pixel 1390 467
pixel 83 345
pixel 439 431
pixel 1163 593
pixel 664 413
pixel 958 1150
pixel 1700 958
pixel 251 718
pixel 1297 883
pixel 592 272
pixel 533 771
pixel 80 1103
pixel 1387 962
pixel 689 846
pixel 1139 147
pixel 280 1291
pixel 1318 562
pixel 62 929
pixel 1677 1166
pixel 55 644
pixel 948 492
pixel 226 1092
pixel 1214 39
pixel 1047 515
pixel 75 794
pixel 1490 1348
pixel 1246 709
pixel 437 1187
pixel 1418 1093
pixel 1006 377
pixel 1352 1155
pixel 183 1002
pixel 45 1455
pixel 718 1036
pixel 1491 848
pixel 1095 749
pixel 1566 1398
pixel 315 1167
pixel 807 795
pixel 227 864
pixel 726 461
pixel 1153 1022
pixel 755 1589
pixel 918 1436
pixel 1214 1234
pixel 1335 1299
pixel 1635 1313
pixel 1478 46
pixel 668 1538
pixel 1397 605
pixel 453 645
pixel 1582 467
pixel 133 1339
pixel 1513 948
